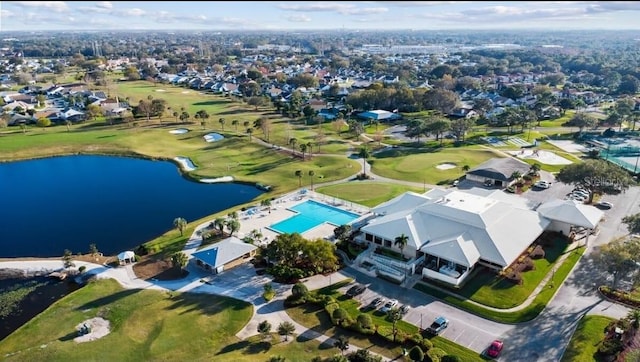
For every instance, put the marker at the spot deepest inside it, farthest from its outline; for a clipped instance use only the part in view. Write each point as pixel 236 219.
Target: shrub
pixel 426 344
pixel 364 321
pixel 82 268
pixel 451 358
pixel 436 354
pixel 528 264
pixel 299 290
pixel 610 347
pixel 538 252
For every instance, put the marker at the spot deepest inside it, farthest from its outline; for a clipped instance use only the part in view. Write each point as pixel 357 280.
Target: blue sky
pixel 312 15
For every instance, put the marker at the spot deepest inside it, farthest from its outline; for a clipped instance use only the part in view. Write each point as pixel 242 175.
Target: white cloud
pixel 129 12
pixel 57 6
pixel 421 3
pixel 346 9
pixel 167 17
pixel 6 14
pixel 104 5
pixel 298 18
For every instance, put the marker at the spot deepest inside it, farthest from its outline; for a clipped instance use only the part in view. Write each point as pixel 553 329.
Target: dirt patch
pixel 97 327
pixel 96 259
pixel 154 267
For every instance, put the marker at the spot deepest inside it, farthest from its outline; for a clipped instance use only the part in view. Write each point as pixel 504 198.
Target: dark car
pixel 356 290
pixel 438 325
pixel 495 348
pixel 377 302
pixel 404 309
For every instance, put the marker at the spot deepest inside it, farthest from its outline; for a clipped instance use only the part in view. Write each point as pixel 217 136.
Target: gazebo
pixel 126 257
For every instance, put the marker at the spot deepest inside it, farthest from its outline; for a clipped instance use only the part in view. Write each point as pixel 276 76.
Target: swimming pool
pixel 311 214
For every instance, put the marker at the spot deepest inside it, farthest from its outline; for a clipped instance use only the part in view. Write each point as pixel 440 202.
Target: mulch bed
pixel 153 267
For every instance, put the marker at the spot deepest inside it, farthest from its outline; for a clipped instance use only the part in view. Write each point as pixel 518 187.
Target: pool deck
pixel 262 219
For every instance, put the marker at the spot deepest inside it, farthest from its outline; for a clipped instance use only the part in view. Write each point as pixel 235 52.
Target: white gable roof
pixel 407 200
pixel 571 212
pixel 464 227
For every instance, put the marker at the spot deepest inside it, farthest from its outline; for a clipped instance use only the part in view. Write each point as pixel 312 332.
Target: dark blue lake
pixel 52 204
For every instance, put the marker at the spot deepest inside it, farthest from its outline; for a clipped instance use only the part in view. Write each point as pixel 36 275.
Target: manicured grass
pixel 233 156
pixel 367 193
pixel 491 290
pixel 586 339
pixel 314 316
pixel 525 314
pixel 558 122
pixel 145 325
pixel 419 165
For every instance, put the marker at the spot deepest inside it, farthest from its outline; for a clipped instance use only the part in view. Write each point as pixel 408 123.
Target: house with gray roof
pixel 224 255
pixel 498 171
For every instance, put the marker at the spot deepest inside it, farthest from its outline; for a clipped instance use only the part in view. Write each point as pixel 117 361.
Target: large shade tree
pixel 619 258
pixel 598 176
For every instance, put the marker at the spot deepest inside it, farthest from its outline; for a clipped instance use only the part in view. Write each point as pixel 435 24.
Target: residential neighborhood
pixel 414 196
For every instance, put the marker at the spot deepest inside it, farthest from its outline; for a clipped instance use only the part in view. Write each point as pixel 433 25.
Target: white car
pixel 604 205
pixel 542 184
pixel 390 304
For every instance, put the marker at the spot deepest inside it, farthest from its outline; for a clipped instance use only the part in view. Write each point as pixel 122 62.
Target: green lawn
pixel 525 314
pixel 586 339
pixel 145 325
pixel 491 290
pixel 367 193
pixel 419 165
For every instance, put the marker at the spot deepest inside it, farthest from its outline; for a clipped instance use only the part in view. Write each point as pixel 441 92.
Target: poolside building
pixel 451 232
pixel 224 255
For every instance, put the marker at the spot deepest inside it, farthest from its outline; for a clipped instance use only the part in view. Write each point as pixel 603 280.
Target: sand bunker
pixel 186 163
pixel 160 90
pixel 215 180
pixel 546 157
pixel 98 328
pixel 446 166
pixel 212 137
pixel 179 131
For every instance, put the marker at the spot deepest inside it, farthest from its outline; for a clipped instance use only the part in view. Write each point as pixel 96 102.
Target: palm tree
pixel 219 224
pixel 179 260
pixel 365 153
pixel 303 149
pixel 299 175
pixel 466 168
pixel 535 168
pixel 401 241
pixel 221 121
pixel 266 203
pixel 311 174
pixel 341 343
pixel 235 123
pixel 292 143
pixel 250 132
pixel 634 317
pixel 180 224
pixel 286 329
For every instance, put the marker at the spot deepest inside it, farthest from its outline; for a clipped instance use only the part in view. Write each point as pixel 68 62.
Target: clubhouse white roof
pixel 460 226
pixel 571 212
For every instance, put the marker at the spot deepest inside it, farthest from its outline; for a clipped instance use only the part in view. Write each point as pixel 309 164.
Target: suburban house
pixel 379 115
pixel 450 232
pixel 498 171
pixel 224 255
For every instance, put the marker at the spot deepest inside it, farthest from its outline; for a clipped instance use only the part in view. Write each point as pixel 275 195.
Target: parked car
pixel 542 184
pixel 404 309
pixel 495 348
pixel 438 325
pixel 356 290
pixel 377 302
pixel 388 305
pixel 604 205
pixel 455 183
